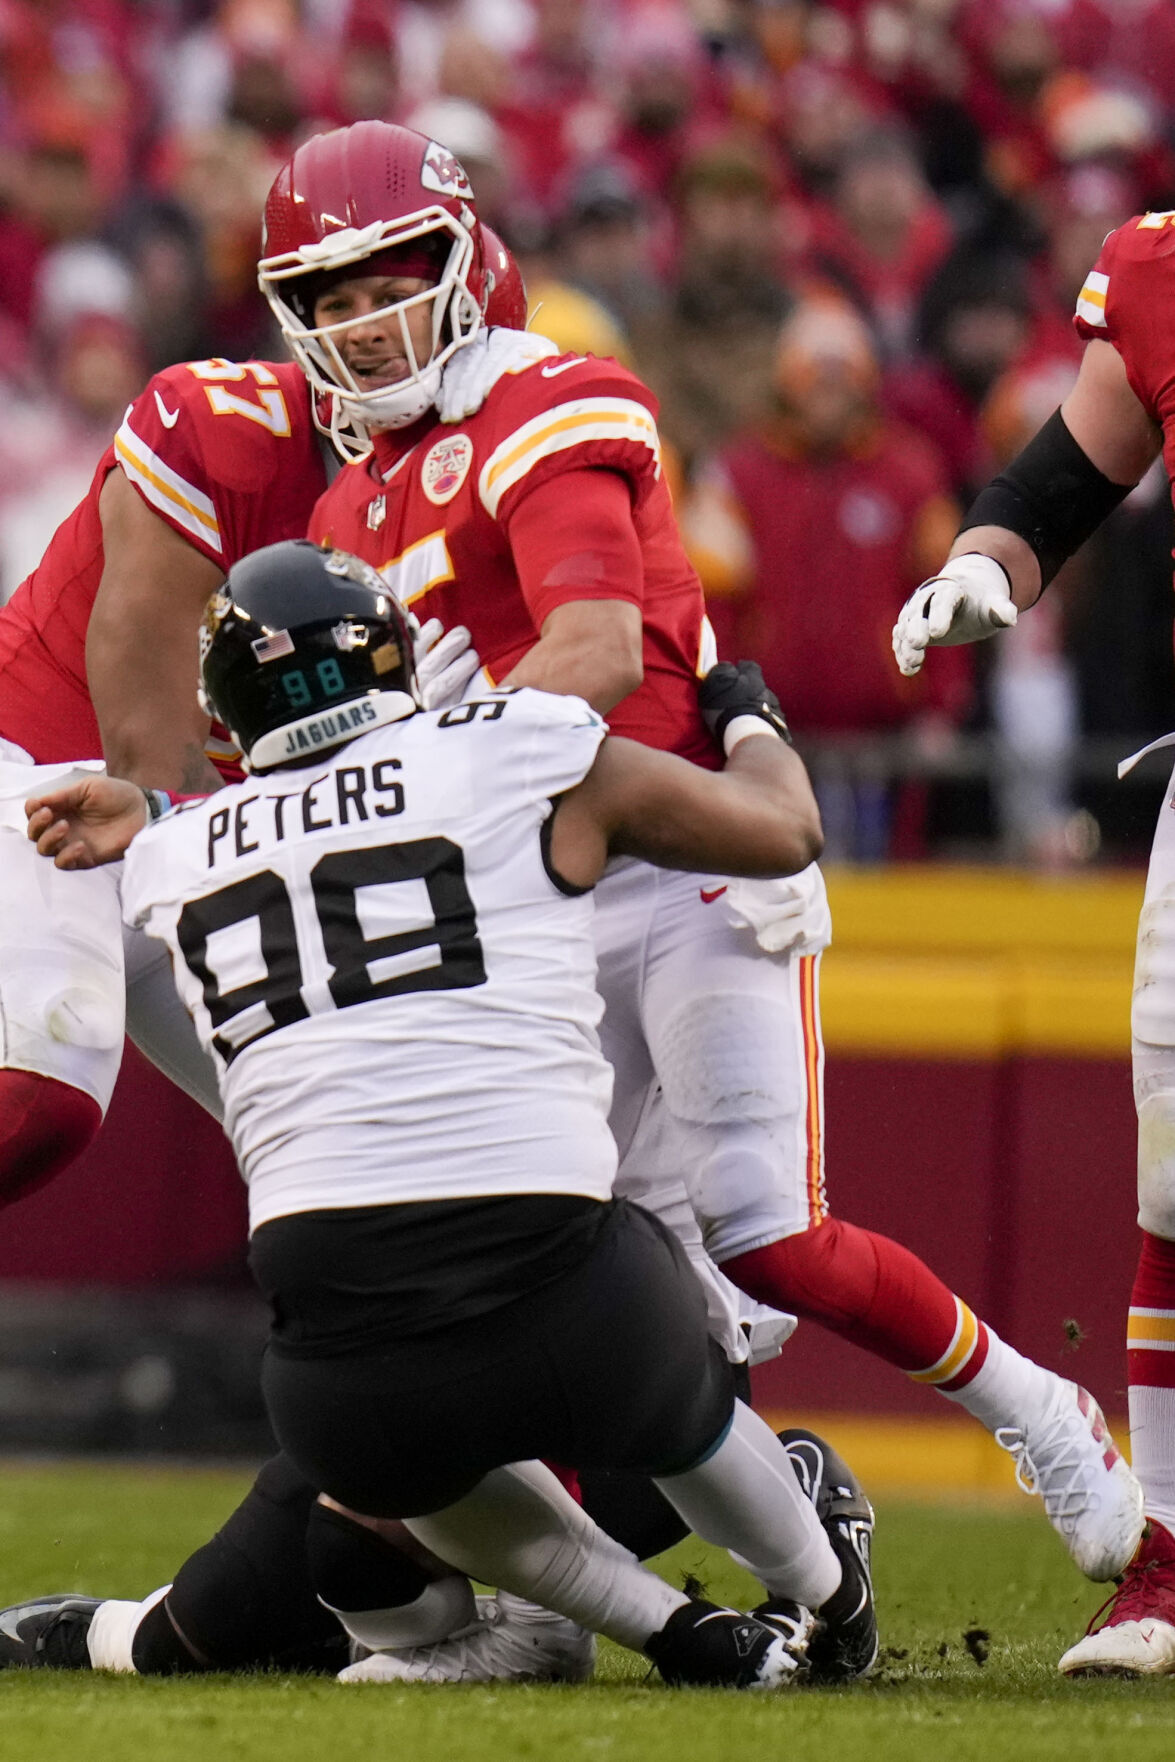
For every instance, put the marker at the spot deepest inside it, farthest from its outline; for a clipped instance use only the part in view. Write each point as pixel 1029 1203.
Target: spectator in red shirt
pixel 882 235
pixel 976 320
pixel 810 530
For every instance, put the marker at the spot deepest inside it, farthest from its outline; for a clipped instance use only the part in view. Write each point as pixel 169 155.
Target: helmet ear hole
pixel 505 295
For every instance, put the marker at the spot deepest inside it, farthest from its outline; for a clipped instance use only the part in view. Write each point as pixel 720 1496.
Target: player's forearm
pixel 775 824
pixel 1010 550
pixel 558 664
pixel 758 817
pixel 142 749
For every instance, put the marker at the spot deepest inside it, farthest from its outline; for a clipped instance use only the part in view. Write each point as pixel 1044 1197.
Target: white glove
pixel 445 663
pixel 970 599
pixel 784 913
pixel 475 369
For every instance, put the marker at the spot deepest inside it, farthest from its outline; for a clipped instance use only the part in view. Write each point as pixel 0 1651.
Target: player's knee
pixel 739 1177
pixel 383 1598
pixel 44 1126
pixel 353 1567
pixel 89 1016
pixel 285 1488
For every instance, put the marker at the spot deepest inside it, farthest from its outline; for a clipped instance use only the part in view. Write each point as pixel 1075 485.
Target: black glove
pixel 737 688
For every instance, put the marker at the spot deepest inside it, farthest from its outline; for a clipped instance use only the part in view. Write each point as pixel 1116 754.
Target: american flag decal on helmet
pixel 274 646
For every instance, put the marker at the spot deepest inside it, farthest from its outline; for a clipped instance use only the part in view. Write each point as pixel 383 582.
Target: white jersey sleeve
pixel 399 997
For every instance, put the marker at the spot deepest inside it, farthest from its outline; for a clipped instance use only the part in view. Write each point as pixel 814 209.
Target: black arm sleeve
pixel 1052 494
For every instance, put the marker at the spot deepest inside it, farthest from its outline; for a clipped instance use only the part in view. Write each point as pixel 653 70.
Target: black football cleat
pixel 702 1646
pixel 47 1633
pixel 844 1645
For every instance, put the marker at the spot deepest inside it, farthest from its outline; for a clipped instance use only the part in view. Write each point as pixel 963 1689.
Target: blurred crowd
pixel 842 240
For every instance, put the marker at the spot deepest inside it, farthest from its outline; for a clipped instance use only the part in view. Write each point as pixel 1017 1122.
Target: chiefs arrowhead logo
pixel 442 172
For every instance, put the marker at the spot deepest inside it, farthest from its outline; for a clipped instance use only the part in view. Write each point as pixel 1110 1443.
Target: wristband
pixel 158 804
pixel 742 727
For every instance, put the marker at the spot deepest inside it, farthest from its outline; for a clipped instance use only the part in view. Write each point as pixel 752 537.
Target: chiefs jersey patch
pixel 445 468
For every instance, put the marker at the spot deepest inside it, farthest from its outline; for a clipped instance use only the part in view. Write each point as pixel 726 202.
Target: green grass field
pixel 954 1586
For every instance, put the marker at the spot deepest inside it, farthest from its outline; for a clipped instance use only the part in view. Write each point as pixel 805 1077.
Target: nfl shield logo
pixel 376 513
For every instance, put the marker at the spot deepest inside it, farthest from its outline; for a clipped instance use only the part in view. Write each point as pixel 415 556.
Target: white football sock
pixel 745 1497
pixel 112 1631
pixel 1152 1449
pixel 1007 1389
pixel 442 1608
pixel 520 1530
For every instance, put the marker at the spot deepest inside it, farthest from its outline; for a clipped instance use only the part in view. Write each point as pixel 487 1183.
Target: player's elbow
pixel 624 674
pixel 612 675
pixel 800 841
pixel 813 841
pixel 790 837
pixel 608 637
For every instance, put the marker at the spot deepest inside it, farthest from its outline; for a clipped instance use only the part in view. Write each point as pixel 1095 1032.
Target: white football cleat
pixel 1091 1497
pixel 515 1641
pixel 1137 1637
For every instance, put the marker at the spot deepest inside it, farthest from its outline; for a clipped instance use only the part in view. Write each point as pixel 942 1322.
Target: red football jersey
pixel 837 544
pixel 434 511
pixel 1129 300
pixel 228 455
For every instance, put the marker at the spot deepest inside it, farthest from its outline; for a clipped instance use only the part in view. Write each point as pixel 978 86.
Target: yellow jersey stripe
pixel 567 425
pixel 165 489
pixel 1091 302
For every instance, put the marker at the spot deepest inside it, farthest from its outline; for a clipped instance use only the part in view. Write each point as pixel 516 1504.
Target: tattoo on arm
pixel 198 775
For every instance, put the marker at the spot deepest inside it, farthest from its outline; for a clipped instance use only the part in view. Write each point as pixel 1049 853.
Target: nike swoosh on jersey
pixel 560 367
pixel 169 418
pixel 709 894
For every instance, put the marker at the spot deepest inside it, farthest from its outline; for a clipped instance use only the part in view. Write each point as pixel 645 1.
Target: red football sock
pixel 568 1479
pixel 44 1126
pixel 871 1291
pixel 1151 1334
pixel 1150 1358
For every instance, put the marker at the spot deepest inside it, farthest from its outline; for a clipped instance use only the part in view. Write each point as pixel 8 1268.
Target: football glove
pixel 788 913
pixel 737 688
pixel 475 370
pixel 445 663
pixel 970 599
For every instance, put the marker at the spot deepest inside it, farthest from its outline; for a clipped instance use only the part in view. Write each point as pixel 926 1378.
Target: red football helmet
pixel 506 300
pixel 351 195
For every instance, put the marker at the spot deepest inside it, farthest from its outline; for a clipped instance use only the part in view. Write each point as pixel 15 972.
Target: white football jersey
pixel 400 1001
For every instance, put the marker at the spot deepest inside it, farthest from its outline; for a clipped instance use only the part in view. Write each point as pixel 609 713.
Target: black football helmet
pixel 302 649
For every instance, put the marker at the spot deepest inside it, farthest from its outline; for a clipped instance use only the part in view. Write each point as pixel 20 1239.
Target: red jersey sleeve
pixel 567 415
pixel 225 453
pixel 1127 300
pixel 572 538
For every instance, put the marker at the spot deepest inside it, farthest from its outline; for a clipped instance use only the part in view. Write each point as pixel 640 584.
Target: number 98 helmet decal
pixel 303 649
pixel 374 198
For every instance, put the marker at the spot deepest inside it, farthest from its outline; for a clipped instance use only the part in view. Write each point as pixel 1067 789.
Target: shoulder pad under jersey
pixel 563 414
pixel 206 436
